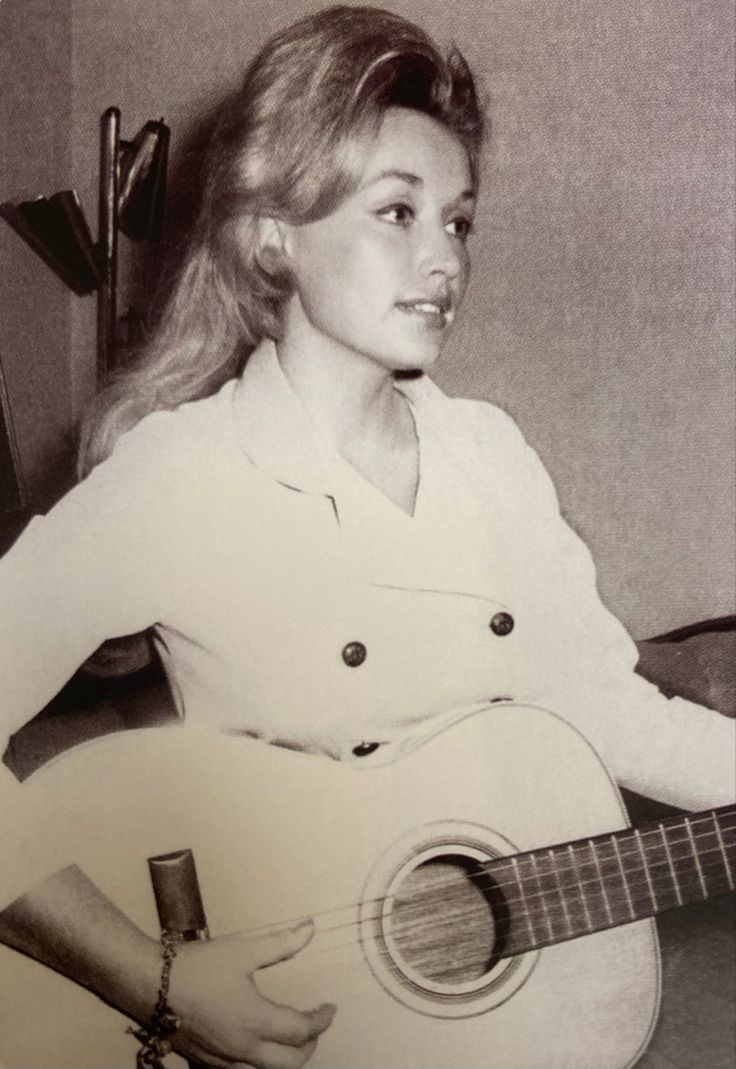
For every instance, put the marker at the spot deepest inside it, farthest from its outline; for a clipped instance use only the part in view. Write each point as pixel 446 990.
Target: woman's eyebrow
pixel 404 176
pixel 412 180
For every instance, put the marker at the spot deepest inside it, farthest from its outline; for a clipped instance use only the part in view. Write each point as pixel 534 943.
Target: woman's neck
pixel 351 397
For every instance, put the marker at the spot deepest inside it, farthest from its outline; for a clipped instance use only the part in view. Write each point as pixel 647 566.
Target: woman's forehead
pixel 412 147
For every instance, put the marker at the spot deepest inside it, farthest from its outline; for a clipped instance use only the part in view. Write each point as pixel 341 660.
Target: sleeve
pixel 670 749
pixel 84 573
pixel 666 748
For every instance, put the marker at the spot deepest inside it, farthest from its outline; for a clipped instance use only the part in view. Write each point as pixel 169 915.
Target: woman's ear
pixel 273 234
pixel 271 245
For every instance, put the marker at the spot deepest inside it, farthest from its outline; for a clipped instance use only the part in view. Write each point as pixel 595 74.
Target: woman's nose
pixel 441 254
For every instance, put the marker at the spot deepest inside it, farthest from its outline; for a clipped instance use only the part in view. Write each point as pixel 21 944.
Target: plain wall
pixel 35 307
pixel 601 311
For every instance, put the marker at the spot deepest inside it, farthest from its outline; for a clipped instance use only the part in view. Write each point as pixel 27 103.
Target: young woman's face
pixel 382 277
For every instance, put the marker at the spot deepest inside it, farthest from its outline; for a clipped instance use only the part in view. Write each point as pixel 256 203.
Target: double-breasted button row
pixel 355 653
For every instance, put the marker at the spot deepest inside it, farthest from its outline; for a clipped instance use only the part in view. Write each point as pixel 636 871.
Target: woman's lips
pixel 434 314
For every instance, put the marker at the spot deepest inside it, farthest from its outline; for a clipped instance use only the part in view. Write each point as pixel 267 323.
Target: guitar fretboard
pixel 566 891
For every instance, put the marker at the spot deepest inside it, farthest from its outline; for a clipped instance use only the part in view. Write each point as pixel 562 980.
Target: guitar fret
pixel 581 888
pixel 638 877
pixel 606 903
pixel 726 863
pixel 685 858
pixel 660 871
pixel 681 859
pixel 608 873
pixel 560 892
pixel 688 825
pixel 614 840
pixel 675 881
pixel 715 879
pixel 637 836
pixel 545 910
pixel 522 897
pixel 590 875
pixel 682 851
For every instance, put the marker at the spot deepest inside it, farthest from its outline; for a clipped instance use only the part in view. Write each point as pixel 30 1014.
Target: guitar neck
pixel 566 891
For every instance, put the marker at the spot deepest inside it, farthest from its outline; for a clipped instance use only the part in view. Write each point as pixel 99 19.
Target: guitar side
pixel 279 835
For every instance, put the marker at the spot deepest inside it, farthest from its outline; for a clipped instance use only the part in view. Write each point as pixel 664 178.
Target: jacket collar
pixel 278 434
pixel 444 551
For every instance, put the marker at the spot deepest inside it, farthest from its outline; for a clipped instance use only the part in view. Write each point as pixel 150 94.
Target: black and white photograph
pixel 367 534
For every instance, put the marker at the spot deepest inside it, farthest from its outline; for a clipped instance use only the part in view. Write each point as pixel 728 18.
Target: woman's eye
pixel 399 214
pixel 461 228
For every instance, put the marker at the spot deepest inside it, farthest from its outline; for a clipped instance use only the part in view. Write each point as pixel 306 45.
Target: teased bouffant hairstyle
pixel 288 145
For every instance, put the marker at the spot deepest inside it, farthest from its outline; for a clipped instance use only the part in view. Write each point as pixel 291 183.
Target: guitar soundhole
pixel 447 924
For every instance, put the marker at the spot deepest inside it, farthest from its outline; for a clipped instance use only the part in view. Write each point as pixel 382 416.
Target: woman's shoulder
pixel 479 420
pixel 163 461
pixel 488 442
pixel 186 427
pixel 177 442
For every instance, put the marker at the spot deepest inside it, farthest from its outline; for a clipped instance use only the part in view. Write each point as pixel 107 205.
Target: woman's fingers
pixel 225 1018
pixel 295 1028
pixel 267 1055
pixel 283 1024
pixel 279 946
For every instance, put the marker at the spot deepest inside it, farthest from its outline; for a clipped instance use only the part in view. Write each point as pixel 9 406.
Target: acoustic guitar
pixel 479 903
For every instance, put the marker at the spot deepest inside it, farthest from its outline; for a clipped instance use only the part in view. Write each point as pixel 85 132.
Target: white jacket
pixel 294 602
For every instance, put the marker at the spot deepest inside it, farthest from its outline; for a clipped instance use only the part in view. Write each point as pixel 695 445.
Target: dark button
pixel 502 623
pixel 365 748
pixel 354 654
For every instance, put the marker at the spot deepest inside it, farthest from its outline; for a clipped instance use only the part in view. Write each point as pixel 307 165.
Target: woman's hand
pixel 225 1021
pixel 69 925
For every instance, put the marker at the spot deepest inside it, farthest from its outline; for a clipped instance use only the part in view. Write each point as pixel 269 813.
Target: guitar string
pixel 534 918
pixel 606 844
pixel 490 882
pixel 540 919
pixel 408 929
pixel 447 882
pixel 615 898
pixel 440 882
pixel 562 870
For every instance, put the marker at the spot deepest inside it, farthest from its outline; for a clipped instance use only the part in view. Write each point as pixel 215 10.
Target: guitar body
pixel 375 855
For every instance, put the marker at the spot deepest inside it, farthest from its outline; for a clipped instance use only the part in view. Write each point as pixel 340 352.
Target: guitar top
pixel 479 904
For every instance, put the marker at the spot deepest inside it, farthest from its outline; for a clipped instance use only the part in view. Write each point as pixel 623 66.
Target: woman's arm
pixel 670 749
pixel 88 571
pixel 91 819
pixel 69 925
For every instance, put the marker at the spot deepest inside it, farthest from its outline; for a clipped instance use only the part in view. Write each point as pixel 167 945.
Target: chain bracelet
pixel 155 1037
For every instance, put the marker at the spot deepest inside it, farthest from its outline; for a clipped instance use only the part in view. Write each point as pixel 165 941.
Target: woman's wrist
pixel 156 1034
pixel 68 924
pixel 127 973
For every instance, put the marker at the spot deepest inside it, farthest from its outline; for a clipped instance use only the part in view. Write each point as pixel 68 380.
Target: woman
pixel 336 557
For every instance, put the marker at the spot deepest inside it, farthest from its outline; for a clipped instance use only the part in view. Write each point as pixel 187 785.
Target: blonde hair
pixel 284 146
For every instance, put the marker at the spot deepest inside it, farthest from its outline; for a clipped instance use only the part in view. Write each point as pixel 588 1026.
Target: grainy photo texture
pixel 367 628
